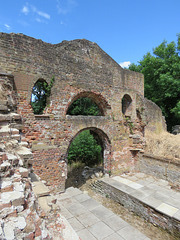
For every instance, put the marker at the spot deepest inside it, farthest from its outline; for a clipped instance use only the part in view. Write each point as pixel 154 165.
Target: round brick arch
pixel 106 144
pixel 126 104
pixel 97 98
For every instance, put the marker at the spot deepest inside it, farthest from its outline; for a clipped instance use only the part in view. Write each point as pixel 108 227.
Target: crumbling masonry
pixel 81 69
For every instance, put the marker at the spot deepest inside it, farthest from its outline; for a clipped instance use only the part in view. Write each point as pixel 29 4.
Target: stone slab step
pixel 40 189
pixel 24 172
pixel 43 202
pixel 153 202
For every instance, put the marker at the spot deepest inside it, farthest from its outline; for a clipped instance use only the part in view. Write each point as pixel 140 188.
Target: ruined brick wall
pixel 8 97
pixel 154 118
pixel 160 167
pixel 80 68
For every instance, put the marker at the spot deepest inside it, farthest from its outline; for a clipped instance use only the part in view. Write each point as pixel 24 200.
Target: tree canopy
pixel 84 106
pixel 40 92
pixel 84 148
pixel 38 98
pixel 162 79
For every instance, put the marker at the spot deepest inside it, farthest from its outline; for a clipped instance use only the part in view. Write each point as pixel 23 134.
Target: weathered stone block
pixel 24 172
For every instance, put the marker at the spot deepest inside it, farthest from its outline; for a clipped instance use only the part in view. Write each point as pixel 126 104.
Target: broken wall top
pixel 78 63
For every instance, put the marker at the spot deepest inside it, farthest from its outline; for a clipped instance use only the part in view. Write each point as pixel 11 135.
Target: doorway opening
pixel 87 156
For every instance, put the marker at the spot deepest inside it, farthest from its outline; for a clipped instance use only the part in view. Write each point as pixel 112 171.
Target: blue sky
pixel 125 29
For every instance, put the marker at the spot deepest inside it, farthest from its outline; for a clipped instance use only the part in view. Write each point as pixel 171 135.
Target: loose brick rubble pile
pixel 20 214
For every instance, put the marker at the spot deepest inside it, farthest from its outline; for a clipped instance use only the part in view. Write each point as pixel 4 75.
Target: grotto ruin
pixel 80 69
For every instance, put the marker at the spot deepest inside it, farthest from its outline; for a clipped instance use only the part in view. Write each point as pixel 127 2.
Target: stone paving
pixel 156 193
pixel 92 221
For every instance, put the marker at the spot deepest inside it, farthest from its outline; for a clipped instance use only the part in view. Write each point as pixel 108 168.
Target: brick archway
pixel 105 144
pixel 97 98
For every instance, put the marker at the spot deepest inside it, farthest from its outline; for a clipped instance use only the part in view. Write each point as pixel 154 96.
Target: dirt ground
pixel 151 231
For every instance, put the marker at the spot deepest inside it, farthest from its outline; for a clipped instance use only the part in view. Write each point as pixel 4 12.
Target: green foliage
pixel 162 79
pixel 83 106
pixel 40 92
pixel 48 87
pixel 176 110
pixel 85 149
pixel 38 99
pixel 129 124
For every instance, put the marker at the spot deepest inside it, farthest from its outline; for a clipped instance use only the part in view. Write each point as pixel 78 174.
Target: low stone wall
pixel 163 168
pixel 131 203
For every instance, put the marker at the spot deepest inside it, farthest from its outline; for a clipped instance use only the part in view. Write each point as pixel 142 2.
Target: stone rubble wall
pixel 20 213
pixel 18 206
pixel 8 96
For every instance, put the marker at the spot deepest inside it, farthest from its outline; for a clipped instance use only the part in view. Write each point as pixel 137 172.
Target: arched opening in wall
pixel 84 106
pixel 88 156
pixel 127 105
pixel 39 96
pixel 88 104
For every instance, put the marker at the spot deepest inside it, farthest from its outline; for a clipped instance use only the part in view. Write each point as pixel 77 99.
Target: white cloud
pixel 7 26
pixel 38 20
pixel 64 9
pixel 62 23
pixel 40 13
pixel 43 14
pixel 32 9
pixel 125 64
pixel 25 10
